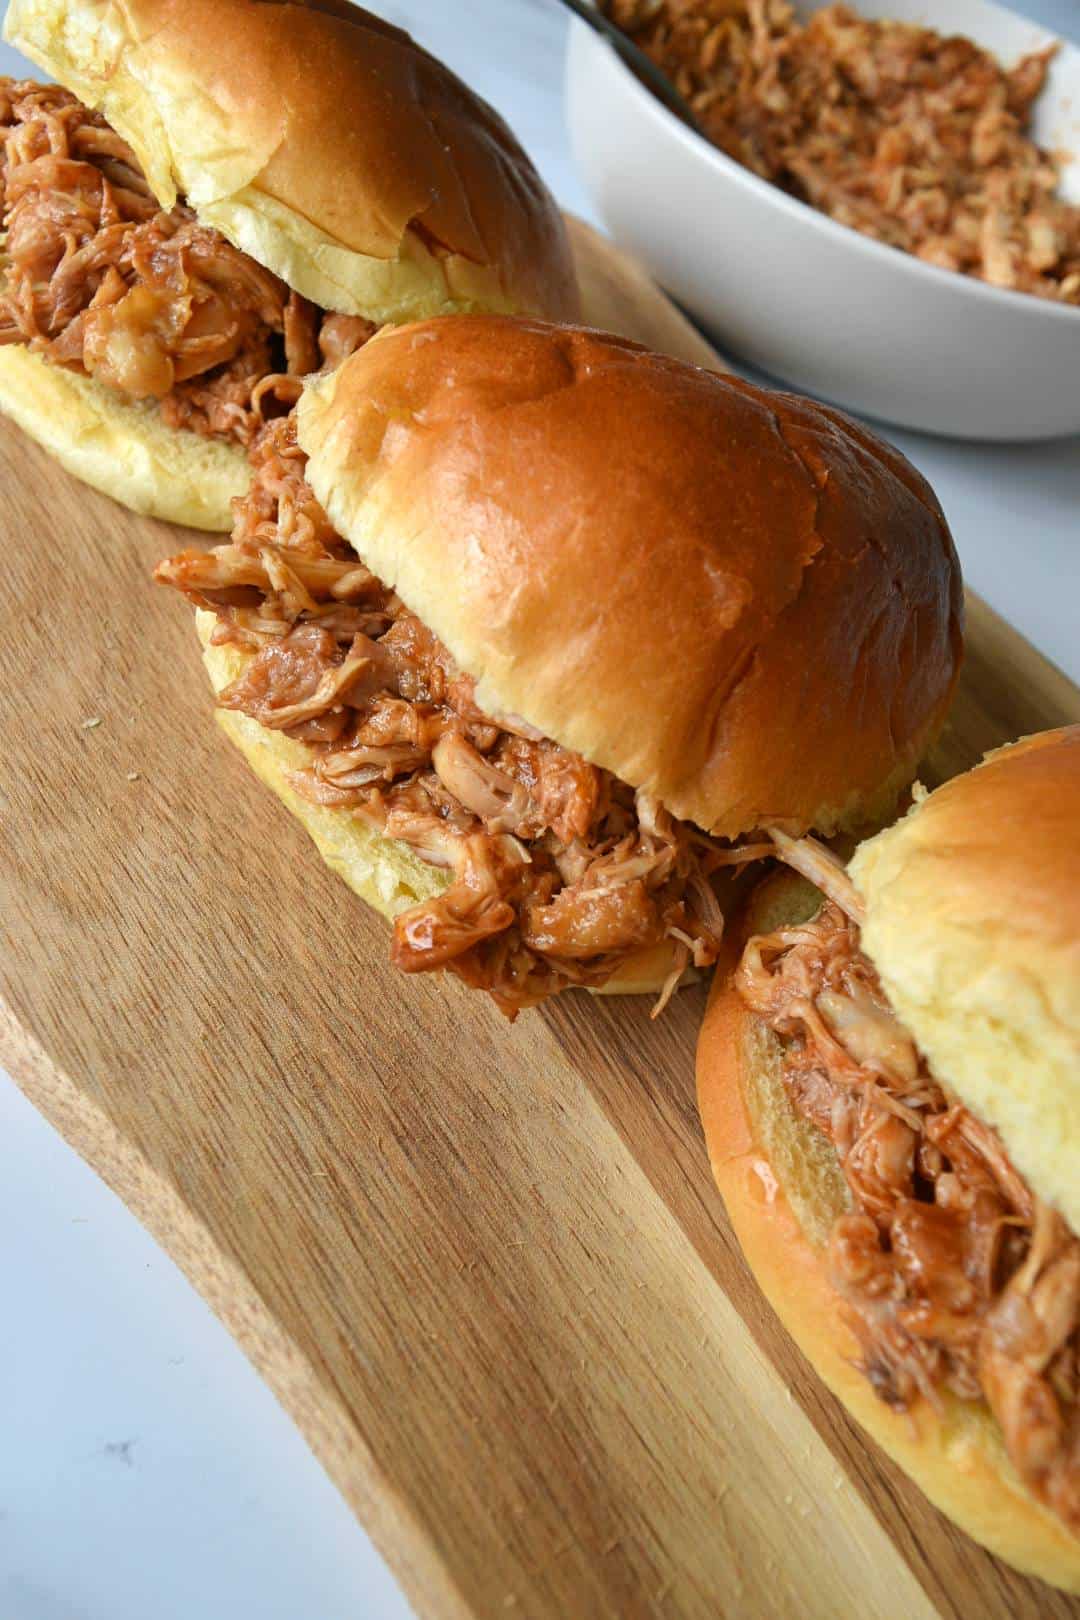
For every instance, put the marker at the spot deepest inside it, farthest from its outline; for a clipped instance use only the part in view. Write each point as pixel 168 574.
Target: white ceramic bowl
pixel 812 302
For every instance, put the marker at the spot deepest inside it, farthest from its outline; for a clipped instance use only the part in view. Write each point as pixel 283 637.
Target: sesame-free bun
pixel 321 141
pixel 386 873
pixel 782 1187
pixel 734 598
pixel 119 447
pixel 973 922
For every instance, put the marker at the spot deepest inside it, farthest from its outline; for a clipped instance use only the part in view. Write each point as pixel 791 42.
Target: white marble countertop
pixel 145 1472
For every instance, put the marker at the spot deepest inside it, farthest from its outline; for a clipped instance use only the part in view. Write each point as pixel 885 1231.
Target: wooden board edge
pixel 616 289
pixel 314 1405
pixel 993 641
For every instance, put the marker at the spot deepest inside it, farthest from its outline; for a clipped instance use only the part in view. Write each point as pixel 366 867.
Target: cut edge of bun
pixel 973 923
pixel 121 448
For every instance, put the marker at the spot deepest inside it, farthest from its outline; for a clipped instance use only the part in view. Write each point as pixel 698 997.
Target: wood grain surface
pixel 483 1265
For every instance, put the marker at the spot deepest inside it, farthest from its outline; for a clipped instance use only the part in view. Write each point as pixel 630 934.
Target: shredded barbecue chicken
pixel 955 1276
pixel 918 139
pixel 559 872
pixel 98 278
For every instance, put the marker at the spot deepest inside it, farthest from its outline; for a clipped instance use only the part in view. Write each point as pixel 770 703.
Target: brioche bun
pixel 386 873
pixel 973 923
pixel 782 1188
pixel 972 920
pixel 736 599
pixel 323 142
pixel 317 139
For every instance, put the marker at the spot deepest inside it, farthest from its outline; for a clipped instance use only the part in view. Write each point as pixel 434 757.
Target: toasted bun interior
pixel 736 599
pixel 122 448
pixel 386 873
pixel 973 922
pixel 323 142
pixel 782 1194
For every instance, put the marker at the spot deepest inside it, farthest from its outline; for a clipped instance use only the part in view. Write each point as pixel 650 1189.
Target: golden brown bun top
pixel 322 141
pixel 736 599
pixel 973 921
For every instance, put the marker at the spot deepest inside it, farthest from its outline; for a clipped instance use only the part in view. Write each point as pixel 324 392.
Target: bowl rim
pixel 701 148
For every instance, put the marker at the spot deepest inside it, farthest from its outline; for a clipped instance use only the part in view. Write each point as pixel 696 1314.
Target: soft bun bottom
pixel 122 449
pixel 782 1187
pixel 386 873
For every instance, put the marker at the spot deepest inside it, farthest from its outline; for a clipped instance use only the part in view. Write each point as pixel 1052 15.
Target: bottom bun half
pixel 783 1188
pixel 122 448
pixel 383 871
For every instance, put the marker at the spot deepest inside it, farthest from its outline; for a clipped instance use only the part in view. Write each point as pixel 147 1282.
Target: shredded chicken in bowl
pixel 954 1274
pixel 914 138
pixel 560 874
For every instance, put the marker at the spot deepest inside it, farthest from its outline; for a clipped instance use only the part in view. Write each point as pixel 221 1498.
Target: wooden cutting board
pixel 483 1265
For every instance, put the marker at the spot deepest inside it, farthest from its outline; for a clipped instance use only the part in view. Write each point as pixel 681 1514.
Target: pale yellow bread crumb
pixel 122 449
pixel 973 922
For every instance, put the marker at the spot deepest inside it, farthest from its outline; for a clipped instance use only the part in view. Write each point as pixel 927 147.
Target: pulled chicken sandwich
pixel 900 1068
pixel 534 701
pixel 227 194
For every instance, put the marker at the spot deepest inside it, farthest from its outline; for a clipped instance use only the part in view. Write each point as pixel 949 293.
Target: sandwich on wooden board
pixel 889 1084
pixel 220 196
pixel 534 630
